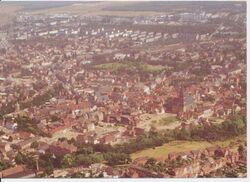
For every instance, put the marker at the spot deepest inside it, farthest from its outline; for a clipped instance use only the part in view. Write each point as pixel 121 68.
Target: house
pixel 107 139
pixel 16 172
pixel 110 137
pixel 11 155
pixel 172 156
pixel 42 147
pixel 4 147
pixel 139 131
pixel 135 171
pixel 120 56
pixel 209 151
pixel 88 126
pixel 89 137
pixel 24 135
pixel 233 157
pixel 195 154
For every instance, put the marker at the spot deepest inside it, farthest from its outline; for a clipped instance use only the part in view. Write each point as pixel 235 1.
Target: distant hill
pixel 39 5
pixel 170 5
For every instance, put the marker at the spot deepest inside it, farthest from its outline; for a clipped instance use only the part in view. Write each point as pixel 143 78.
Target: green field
pixel 167 120
pixel 131 67
pixel 184 146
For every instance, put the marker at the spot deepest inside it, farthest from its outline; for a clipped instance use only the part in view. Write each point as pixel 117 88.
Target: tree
pixel 54 118
pixel 72 141
pixel 232 174
pixel 117 158
pixel 10 139
pixel 34 145
pixel 240 149
pixel 4 165
pixel 86 150
pixel 62 139
pixel 184 134
pixel 68 160
pixel 234 126
pixel 100 175
pixel 78 175
pixel 1 133
pixel 19 159
pixel 150 162
pixel 82 159
pixel 49 168
pixel 15 147
pixel 26 159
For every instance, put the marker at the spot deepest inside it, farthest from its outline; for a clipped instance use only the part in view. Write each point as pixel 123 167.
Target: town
pixel 162 95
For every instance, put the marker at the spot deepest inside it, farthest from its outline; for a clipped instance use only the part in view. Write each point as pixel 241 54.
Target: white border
pixel 158 179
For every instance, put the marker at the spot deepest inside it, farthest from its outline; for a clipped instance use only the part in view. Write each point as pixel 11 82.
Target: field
pixel 131 67
pixel 97 8
pixel 7 12
pixel 171 5
pixel 128 8
pixel 183 146
pixel 167 121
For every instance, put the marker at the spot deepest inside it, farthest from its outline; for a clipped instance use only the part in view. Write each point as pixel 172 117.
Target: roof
pixel 12 172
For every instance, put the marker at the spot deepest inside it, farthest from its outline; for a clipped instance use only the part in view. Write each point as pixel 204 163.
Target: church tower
pixel 181 99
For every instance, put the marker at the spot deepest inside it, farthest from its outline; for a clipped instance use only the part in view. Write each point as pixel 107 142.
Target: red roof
pixel 12 171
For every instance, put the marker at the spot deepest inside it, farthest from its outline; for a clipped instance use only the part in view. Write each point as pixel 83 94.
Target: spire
pixel 181 98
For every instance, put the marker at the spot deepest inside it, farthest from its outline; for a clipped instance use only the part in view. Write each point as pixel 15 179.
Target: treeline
pixel 86 159
pixel 26 124
pixel 234 125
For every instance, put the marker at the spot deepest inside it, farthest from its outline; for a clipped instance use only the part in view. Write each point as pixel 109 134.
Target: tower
pixel 181 99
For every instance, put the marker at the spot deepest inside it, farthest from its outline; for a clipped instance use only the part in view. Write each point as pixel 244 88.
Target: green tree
pixel 20 158
pixel 117 158
pixel 34 145
pixel 68 160
pixel 4 165
pixel 151 161
pixel 49 168
pixel 82 159
pixel 1 133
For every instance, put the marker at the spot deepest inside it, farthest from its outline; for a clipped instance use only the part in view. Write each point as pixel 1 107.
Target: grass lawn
pixel 158 121
pixel 131 66
pixel 183 146
pixel 167 120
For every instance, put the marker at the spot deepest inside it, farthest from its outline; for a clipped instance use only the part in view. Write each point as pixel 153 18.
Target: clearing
pixel 184 146
pixel 158 121
pixel 131 67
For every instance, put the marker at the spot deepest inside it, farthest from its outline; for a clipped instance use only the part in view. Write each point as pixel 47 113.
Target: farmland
pixel 7 13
